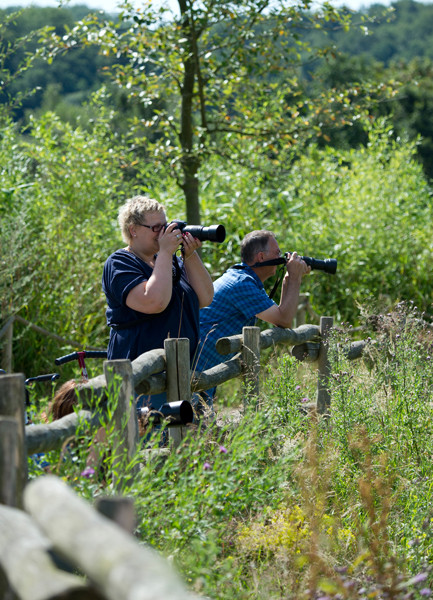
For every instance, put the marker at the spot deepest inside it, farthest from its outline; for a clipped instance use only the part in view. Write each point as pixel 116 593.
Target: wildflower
pixel 223 450
pixel 418 578
pixel 425 592
pixel 88 472
pixel 297 388
pixel 305 400
pixel 207 466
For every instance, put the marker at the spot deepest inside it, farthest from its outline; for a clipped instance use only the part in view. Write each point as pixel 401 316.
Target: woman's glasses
pixel 154 228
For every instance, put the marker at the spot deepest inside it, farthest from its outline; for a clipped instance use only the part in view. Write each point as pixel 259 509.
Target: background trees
pixel 331 174
pixel 219 75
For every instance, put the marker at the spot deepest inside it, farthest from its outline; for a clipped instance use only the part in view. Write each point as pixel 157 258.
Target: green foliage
pixel 21 33
pixel 270 505
pixel 58 188
pixel 214 78
pixel 368 207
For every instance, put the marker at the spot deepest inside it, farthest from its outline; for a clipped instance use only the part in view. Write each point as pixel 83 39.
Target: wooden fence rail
pixel 54 518
pixel 105 562
pixel 168 370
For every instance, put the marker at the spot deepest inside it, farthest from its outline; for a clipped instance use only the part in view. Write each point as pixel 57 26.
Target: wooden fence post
pixel 125 409
pixel 251 363
pixel 178 379
pixel 12 405
pixel 9 459
pixel 323 395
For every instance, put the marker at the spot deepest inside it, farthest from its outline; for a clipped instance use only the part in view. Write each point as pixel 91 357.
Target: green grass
pixel 285 504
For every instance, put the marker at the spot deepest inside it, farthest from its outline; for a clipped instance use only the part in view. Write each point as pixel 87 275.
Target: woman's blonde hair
pixel 134 212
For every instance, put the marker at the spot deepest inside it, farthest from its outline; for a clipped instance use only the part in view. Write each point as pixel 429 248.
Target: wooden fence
pixel 28 507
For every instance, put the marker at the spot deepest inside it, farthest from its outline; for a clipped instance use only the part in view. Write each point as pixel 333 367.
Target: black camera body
pixel 213 233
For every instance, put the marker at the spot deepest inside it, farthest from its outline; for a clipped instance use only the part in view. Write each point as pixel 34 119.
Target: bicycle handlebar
pixel 45 377
pixel 86 354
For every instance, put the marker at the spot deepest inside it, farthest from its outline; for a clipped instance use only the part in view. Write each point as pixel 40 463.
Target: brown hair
pixel 64 400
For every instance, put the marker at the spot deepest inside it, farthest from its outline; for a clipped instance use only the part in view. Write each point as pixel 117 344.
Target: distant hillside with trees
pixel 397 45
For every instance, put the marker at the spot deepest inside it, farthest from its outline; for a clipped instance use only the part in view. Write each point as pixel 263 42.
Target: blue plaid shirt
pixel 239 296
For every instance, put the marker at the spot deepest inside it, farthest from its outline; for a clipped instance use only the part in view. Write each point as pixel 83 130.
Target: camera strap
pixel 269 263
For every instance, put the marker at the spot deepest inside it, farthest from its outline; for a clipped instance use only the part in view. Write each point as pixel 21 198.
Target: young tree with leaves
pixel 215 75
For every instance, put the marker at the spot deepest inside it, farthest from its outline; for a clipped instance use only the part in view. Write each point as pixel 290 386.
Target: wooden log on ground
pixel 12 404
pixel 269 337
pixel 52 436
pixel 217 375
pixel 28 566
pixel 120 567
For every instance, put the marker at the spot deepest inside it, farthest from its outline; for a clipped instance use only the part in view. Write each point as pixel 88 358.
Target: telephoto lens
pixel 175 413
pixel 329 265
pixel 213 233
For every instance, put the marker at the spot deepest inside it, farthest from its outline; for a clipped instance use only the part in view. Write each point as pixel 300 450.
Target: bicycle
pixel 80 357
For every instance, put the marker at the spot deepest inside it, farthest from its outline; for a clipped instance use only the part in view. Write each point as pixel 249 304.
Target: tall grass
pixel 282 503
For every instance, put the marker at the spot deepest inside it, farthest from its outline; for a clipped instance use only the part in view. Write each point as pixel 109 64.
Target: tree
pixel 215 75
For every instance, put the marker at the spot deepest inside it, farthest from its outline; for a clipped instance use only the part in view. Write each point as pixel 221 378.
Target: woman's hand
pixel 170 239
pixel 190 245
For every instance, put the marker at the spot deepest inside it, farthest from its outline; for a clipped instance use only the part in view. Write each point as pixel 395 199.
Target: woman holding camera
pixel 152 294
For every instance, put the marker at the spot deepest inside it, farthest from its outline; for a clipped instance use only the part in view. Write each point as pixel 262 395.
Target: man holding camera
pixel 240 297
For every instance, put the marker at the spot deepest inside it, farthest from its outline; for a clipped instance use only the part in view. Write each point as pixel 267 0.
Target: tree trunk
pixel 190 160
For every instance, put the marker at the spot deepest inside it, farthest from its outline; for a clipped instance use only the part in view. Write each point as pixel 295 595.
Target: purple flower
pixel 425 592
pixel 88 472
pixel 305 400
pixel 223 450
pixel 418 578
pixel 297 388
pixel 207 466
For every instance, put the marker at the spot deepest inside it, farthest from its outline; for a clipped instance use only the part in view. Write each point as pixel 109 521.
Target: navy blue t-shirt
pixel 122 272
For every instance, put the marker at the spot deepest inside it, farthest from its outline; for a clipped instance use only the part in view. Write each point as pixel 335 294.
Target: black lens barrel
pixel 329 265
pixel 213 233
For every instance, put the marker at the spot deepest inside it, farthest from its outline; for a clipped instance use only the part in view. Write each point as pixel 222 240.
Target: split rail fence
pixel 120 568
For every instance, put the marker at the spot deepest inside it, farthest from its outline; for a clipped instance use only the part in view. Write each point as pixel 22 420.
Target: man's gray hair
pixel 254 242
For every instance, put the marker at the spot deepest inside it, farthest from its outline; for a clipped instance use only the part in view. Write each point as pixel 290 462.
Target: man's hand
pixel 296 267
